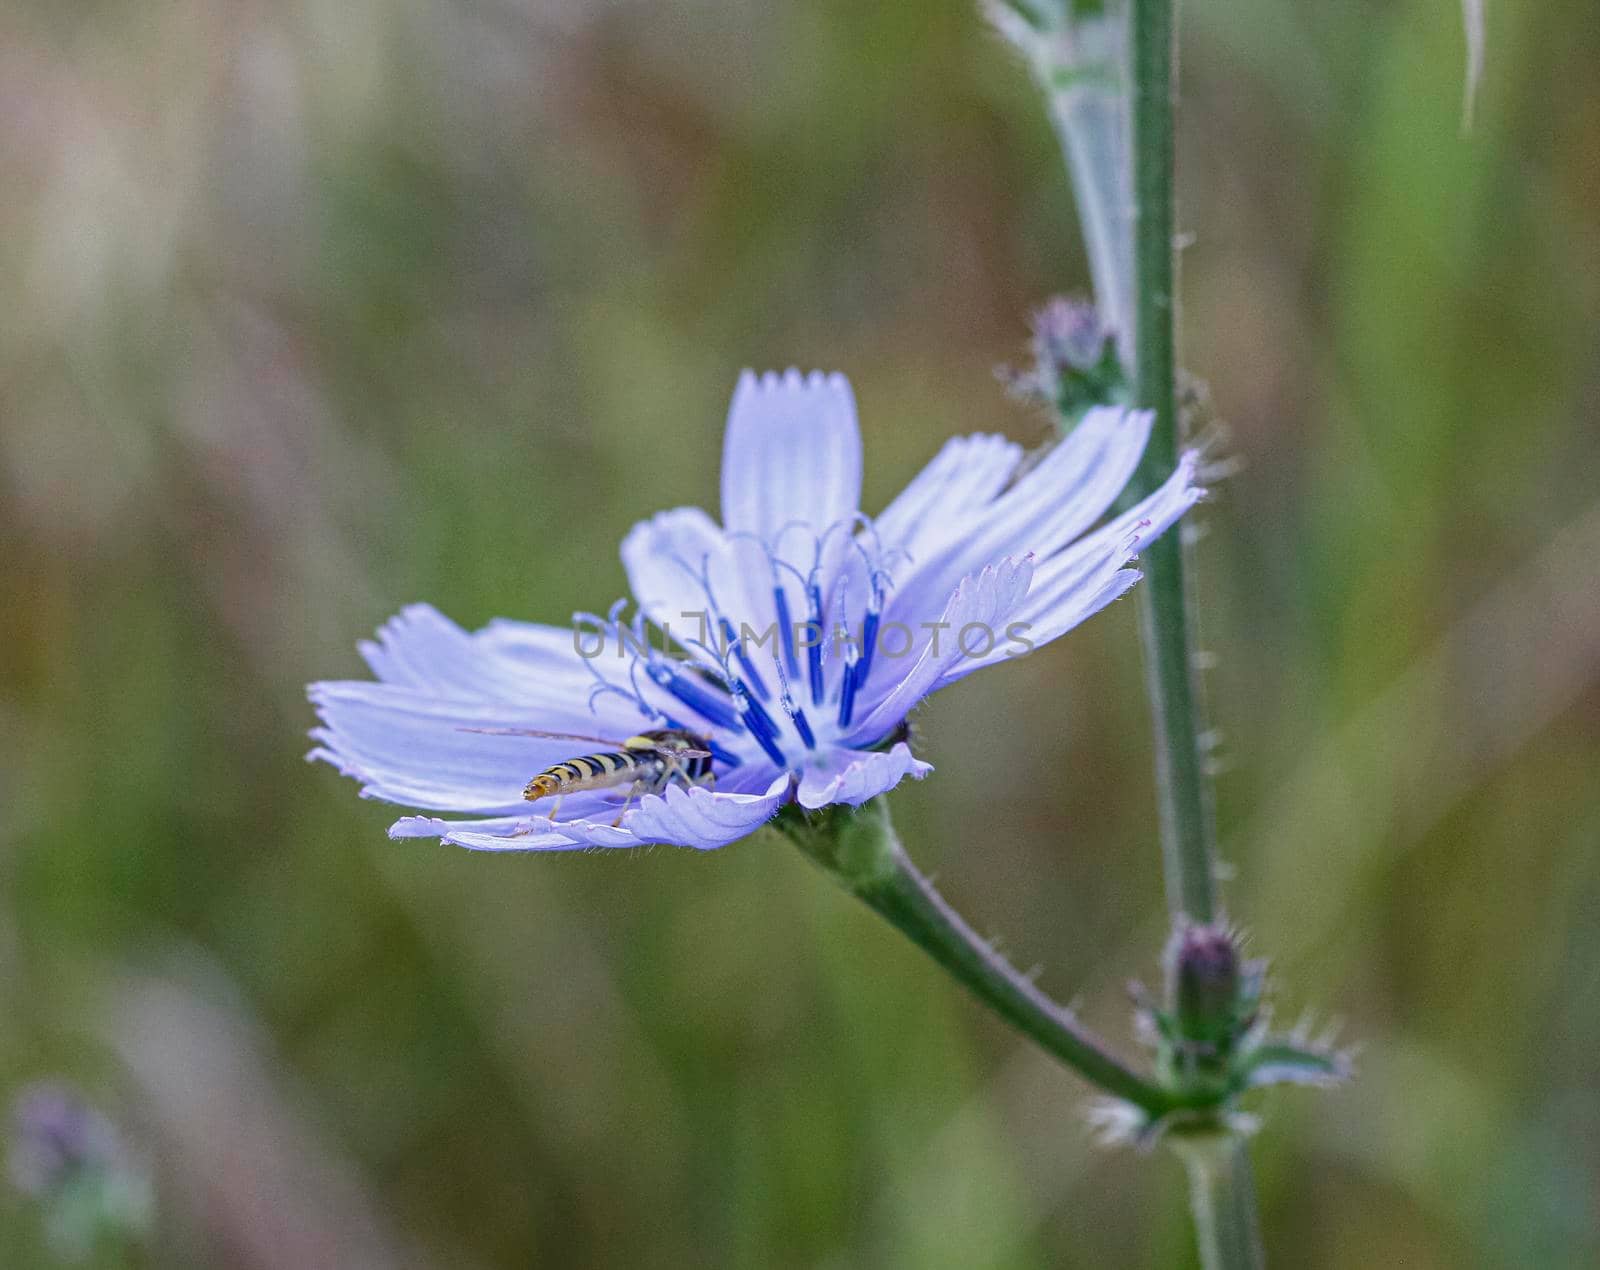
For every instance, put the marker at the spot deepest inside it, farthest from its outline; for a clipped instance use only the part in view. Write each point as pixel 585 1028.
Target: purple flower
pixel 56 1135
pixel 92 1186
pixel 791 641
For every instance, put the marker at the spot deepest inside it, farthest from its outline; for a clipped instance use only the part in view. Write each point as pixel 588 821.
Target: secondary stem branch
pixel 861 850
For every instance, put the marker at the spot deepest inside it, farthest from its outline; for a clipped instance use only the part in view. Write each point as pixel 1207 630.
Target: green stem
pixel 1223 1200
pixel 1221 1192
pixel 860 850
pixel 1187 835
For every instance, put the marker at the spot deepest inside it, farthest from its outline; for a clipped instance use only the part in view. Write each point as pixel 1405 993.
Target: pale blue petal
pixel 792 452
pixel 947 497
pixel 412 749
pixel 985 601
pixel 671 560
pixel 853 776
pixel 1100 590
pixel 1057 499
pixel 753 777
pixel 679 562
pixel 523 664
pixel 409 747
pixel 1056 579
pixel 1075 584
pixel 420 648
pixel 504 833
pixel 704 818
pixel 547 657
pixel 664 557
pixel 697 817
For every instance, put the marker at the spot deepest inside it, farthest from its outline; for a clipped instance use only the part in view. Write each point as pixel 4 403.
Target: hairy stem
pixel 1187 836
pixel 1221 1191
pixel 860 849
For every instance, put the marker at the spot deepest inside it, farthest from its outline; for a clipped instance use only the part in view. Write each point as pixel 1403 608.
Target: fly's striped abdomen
pixel 593 771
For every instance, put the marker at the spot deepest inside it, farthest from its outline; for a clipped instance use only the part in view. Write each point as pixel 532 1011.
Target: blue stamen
pixel 725 757
pixel 847 700
pixel 869 640
pixel 752 710
pixel 780 601
pixel 847 691
pixel 814 652
pixel 751 675
pixel 766 742
pixel 698 699
pixel 802 725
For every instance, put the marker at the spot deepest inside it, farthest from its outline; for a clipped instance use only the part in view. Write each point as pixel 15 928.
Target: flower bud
pixel 1205 977
pixel 1075 364
pixel 1212 1033
pixel 1213 999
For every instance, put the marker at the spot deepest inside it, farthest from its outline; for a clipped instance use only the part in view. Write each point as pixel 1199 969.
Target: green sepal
pixel 1211 1032
pixel 854 844
pixel 1278 1060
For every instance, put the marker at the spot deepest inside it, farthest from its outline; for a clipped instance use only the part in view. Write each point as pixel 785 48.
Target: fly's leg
pixel 691 782
pixel 678 771
pixel 633 792
pixel 555 808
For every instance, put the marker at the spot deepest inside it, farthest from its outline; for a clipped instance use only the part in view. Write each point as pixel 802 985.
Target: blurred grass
pixel 315 311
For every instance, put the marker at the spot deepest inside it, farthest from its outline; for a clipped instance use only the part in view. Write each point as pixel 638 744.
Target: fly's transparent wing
pixel 549 736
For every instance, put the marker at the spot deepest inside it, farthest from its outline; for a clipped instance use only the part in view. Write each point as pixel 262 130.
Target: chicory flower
pixel 791 641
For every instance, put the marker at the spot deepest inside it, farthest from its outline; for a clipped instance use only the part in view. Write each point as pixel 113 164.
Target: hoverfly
pixel 648 763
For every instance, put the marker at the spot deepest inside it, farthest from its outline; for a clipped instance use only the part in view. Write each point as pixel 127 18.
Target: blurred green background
pixel 315 309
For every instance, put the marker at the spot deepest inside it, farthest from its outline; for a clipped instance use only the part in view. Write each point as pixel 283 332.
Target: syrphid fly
pixel 648 763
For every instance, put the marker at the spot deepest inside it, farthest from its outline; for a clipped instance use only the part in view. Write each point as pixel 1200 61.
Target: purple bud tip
pixel 1068 334
pixel 1204 978
pixel 1075 363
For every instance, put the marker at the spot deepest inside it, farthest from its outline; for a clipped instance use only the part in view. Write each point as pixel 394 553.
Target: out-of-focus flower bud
pixel 1075 364
pixel 70 1158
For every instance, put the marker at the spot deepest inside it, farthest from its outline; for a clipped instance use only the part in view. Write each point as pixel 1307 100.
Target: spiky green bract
pixel 1212 1036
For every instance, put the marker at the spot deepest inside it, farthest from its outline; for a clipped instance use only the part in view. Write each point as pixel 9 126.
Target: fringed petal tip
pixel 866 775
pixel 322 754
pixel 777 389
pixel 792 452
pixel 1188 472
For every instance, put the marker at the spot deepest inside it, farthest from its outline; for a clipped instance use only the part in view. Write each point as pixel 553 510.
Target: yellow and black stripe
pixel 649 761
pixel 592 771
